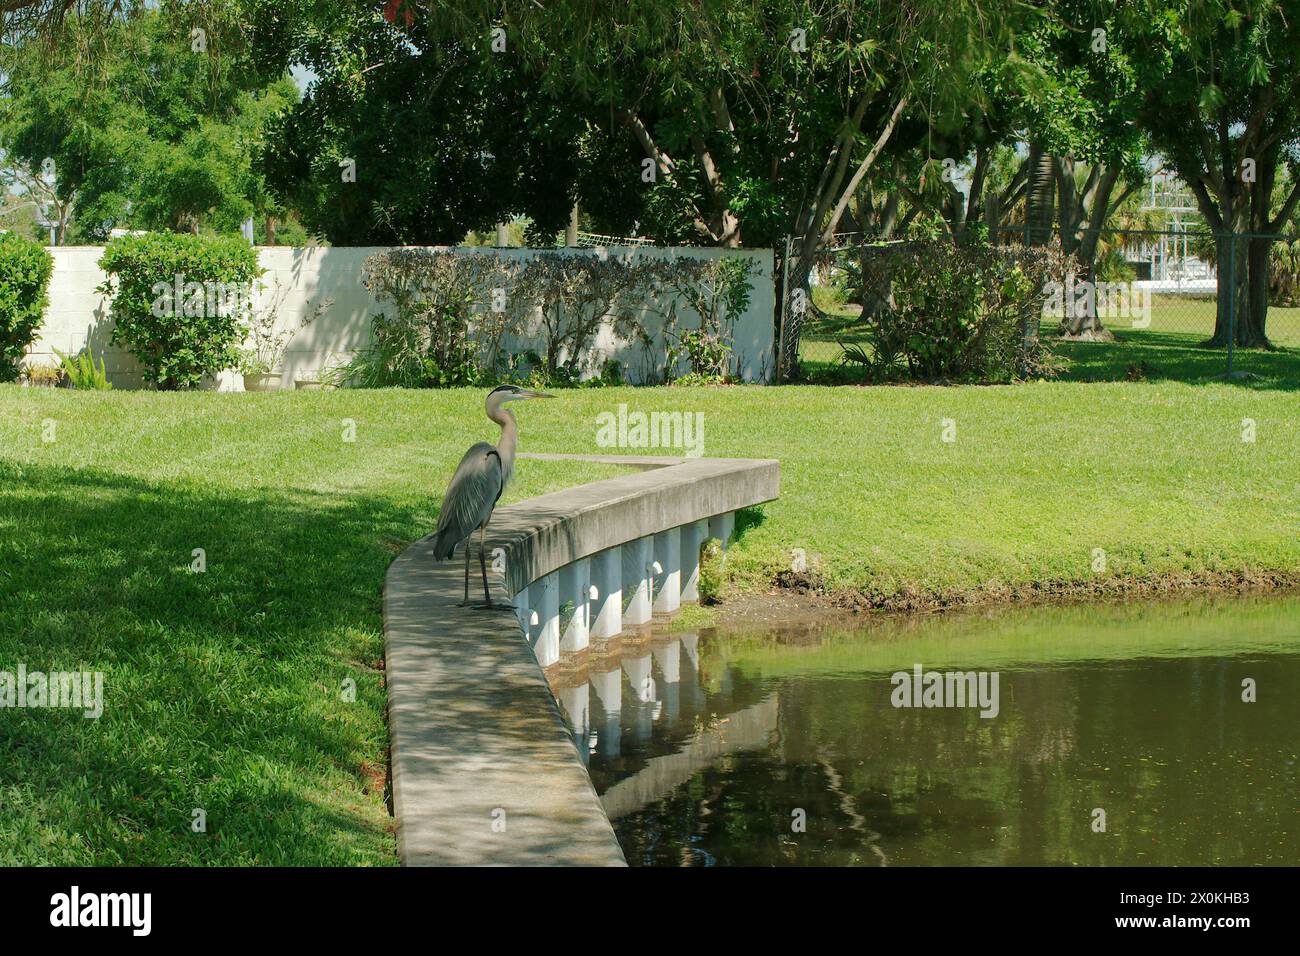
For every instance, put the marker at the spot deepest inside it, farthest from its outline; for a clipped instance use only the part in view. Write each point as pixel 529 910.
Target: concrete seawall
pixel 485 771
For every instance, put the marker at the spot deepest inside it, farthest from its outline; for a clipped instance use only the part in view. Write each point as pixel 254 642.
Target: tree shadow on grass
pixel 1174 356
pixel 225 688
pixel 749 518
pixel 1132 356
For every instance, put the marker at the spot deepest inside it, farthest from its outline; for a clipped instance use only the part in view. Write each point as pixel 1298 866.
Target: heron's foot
pixel 493 607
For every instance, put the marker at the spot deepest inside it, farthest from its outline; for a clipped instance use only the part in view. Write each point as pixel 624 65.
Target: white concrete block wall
pixel 78 315
pixel 296 280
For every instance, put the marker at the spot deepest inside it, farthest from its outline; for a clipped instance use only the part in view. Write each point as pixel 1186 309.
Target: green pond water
pixel 786 747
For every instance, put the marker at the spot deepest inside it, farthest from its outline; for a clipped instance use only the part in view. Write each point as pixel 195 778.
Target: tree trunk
pixel 571 231
pixel 1232 282
pixel 867 294
pixel 993 218
pixel 1242 261
pixel 1071 212
pixel 814 235
pixel 1040 197
pixel 1081 226
pixel 954 208
pixel 1242 281
pixel 1251 332
pixel 1096 219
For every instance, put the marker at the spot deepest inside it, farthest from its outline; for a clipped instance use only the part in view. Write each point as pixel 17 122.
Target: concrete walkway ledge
pixel 484 769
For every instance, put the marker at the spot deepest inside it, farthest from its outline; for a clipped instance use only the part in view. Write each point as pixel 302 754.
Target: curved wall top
pixel 484 769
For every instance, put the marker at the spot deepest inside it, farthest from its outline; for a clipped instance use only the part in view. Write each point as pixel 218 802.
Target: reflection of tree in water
pixel 1186 773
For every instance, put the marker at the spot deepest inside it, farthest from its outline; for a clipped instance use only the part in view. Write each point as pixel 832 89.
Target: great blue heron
pixel 476 487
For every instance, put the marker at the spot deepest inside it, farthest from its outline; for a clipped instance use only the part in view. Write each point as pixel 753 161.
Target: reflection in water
pixel 707 750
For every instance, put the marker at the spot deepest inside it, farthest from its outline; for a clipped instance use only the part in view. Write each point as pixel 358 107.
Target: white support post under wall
pixel 693 536
pixel 722 526
pixel 668 553
pixel 607 606
pixel 575 583
pixel 544 595
pixel 637 558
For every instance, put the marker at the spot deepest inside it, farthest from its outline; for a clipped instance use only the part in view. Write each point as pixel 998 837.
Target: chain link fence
pixel 1180 305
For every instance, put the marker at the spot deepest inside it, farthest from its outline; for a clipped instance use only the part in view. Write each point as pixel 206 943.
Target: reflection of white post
pixel 667 545
pixel 689 642
pixel 609 691
pixel 575 579
pixel 722 526
pixel 608 686
pixel 637 557
pixel 546 603
pixel 668 657
pixel 693 535
pixel 607 578
pixel 576 702
pixel 638 673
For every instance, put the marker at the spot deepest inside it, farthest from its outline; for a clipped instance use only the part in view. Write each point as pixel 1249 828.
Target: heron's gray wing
pixel 471 496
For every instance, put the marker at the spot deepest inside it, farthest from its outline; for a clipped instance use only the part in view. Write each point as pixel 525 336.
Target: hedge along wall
pixel 298 279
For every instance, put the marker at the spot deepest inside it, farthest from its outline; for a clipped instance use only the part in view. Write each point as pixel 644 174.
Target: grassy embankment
pixel 224 689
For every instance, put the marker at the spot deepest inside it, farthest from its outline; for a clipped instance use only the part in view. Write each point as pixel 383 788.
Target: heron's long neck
pixel 506 446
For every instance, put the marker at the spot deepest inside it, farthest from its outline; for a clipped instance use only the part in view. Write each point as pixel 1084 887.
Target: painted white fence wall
pixel 298 280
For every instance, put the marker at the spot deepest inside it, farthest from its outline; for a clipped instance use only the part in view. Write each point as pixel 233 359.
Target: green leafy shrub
pixel 832 297
pixel 81 371
pixel 956 311
pixel 424 339
pixel 710 582
pixel 180 302
pixel 575 294
pixel 1284 273
pixel 718 292
pixel 1111 266
pixel 25 269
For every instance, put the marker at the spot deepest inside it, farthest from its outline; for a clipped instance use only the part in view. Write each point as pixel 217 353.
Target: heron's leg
pixel 482 563
pixel 467 546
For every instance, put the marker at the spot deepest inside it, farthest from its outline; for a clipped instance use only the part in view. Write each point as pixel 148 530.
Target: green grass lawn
pixel 224 688
pixel 1169 348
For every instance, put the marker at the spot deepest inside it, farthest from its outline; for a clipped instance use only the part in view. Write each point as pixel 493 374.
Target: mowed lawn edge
pixel 226 689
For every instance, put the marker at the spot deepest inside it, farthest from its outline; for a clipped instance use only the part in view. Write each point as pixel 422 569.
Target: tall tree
pixel 755 118
pixel 1220 82
pixel 154 128
pixel 399 139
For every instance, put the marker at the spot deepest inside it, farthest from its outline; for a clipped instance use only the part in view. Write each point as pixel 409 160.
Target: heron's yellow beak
pixel 538 395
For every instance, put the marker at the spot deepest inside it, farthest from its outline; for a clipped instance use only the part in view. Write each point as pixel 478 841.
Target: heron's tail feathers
pixel 443 548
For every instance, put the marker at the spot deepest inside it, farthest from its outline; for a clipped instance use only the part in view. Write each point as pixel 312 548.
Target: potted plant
pixel 328 376
pixel 43 376
pixel 260 362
